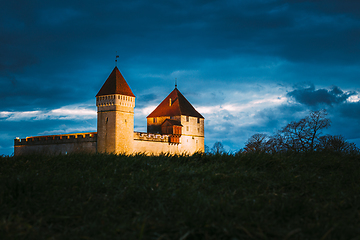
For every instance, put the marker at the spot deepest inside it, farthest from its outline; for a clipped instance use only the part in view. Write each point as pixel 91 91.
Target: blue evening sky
pixel 248 66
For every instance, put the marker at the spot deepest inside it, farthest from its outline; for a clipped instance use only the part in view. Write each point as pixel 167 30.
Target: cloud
pixel 63 129
pixel 234 60
pixel 63 113
pixel 311 97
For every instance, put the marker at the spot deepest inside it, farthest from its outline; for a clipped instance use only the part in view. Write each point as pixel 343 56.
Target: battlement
pixel 155 137
pixel 115 99
pixel 57 139
pixel 140 136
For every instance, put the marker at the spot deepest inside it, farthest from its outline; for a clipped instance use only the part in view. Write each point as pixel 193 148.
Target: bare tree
pixel 336 144
pixel 300 136
pixel 275 143
pixel 304 134
pixel 256 143
pixel 207 149
pixel 218 148
pixel 317 121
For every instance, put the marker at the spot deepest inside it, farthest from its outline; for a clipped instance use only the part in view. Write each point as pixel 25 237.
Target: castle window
pixel 187 118
pixel 154 120
pixel 187 128
pixel 198 129
pixel 198 120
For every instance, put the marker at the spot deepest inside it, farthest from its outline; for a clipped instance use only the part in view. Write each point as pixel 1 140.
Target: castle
pixel 174 127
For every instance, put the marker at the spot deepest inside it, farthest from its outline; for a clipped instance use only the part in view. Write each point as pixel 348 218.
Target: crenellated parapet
pixel 57 139
pixel 152 137
pixel 140 136
pixel 115 99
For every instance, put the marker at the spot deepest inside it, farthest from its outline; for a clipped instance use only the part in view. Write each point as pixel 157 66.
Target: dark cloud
pixel 56 53
pixel 146 99
pixel 311 97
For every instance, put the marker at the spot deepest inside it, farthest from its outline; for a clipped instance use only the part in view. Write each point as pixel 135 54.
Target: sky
pixel 248 66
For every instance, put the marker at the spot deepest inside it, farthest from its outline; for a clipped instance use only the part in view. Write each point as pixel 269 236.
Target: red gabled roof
pixel 115 84
pixel 179 106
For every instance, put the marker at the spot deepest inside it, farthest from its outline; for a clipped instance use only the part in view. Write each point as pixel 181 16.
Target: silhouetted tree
pixel 304 134
pixel 275 143
pixel 218 148
pixel 256 142
pixel 336 144
pixel 207 149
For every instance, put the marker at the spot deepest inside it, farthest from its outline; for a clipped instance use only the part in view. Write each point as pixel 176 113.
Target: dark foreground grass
pixel 247 196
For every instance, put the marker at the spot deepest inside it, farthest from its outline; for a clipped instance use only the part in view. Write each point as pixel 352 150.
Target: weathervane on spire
pixel 116 57
pixel 175 82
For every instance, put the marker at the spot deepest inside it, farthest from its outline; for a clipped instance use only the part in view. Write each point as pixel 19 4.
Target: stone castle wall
pixel 156 144
pixel 57 144
pixel 115 123
pixel 146 143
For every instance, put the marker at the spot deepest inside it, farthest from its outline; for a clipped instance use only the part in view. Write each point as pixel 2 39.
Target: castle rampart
pixel 140 136
pixel 57 144
pixel 150 143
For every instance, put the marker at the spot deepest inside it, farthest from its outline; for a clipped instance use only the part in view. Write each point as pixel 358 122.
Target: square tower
pixel 115 115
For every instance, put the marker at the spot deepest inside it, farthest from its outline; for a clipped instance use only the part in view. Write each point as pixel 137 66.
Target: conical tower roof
pixel 179 106
pixel 115 84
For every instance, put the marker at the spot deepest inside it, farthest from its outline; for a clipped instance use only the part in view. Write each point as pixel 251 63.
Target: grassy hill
pixel 245 196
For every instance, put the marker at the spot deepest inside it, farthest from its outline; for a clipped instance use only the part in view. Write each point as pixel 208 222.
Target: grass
pixel 242 196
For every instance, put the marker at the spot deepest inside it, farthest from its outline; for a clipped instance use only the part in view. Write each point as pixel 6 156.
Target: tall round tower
pixel 115 116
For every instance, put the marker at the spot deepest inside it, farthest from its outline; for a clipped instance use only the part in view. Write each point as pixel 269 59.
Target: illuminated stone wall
pixel 56 144
pixel 115 123
pixel 159 143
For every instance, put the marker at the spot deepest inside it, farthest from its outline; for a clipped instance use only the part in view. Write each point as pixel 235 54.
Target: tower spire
pixel 175 82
